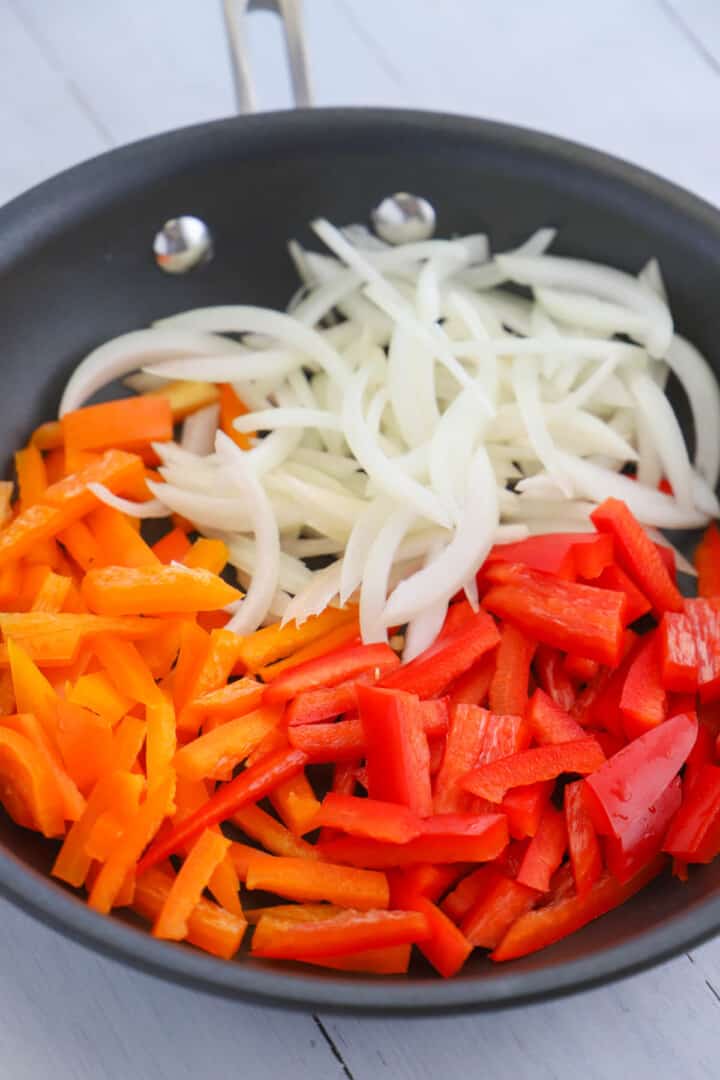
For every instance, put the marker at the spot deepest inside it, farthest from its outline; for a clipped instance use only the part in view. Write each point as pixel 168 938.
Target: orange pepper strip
pixel 111 823
pixel 225 886
pixel 231 406
pixel 342 635
pixel 10 583
pixel 295 802
pixel 162 590
pixel 48 436
pixel 29 726
pixel 86 744
pixel 7 489
pixel 97 693
pixel 118 542
pixel 186 396
pixel 33 692
pixel 173 547
pixel 217 665
pixel 308 879
pixel 29 792
pixel 139 832
pixel 161 741
pixel 125 422
pixel 294 912
pixel 31 476
pixel 275 642
pixel 126 668
pixel 7 694
pixel 209 927
pixel 72 862
pixel 27 625
pixel 235 699
pixel 227 745
pixel 81 545
pixel 261 826
pixel 49 650
pixel 352 931
pixel 128 739
pixel 50 597
pixel 241 854
pixel 207 554
pixel 205 856
pixel 194 651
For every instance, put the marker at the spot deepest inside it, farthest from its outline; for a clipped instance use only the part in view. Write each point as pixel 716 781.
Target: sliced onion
pixel 198 432
pixel 376 574
pixel 151 508
pixel 663 427
pixel 241 364
pixel 700 385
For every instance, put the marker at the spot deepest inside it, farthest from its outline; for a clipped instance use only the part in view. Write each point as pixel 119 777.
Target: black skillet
pixel 76 268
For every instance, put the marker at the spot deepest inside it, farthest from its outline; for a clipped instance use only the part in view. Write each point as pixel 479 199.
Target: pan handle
pixel 290 13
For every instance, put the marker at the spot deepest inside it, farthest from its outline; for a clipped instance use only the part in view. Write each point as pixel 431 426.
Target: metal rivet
pixel 182 244
pixel 404 219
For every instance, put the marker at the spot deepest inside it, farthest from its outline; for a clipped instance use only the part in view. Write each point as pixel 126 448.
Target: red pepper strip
pixel 545 852
pixel 330 670
pixel 637 555
pixel 566 555
pixel 643 702
pixel 489 838
pixel 501 903
pixel 472 687
pixel 571 617
pixel 551 675
pixel 466 731
pixel 310 880
pixel 585 855
pixel 566 914
pixel 345 741
pixel 433 881
pixel 368 817
pixel 645 836
pixel 343 783
pixel 353 931
pixel 549 723
pixel 632 781
pixel 459 614
pixel 468 892
pixel 502 736
pixel 430 673
pixel 668 560
pixel 704 621
pixel 603 709
pixel 614 578
pixel 694 835
pixel 610 743
pixel 702 753
pixel 510 860
pixel 679 656
pixel 530 766
pixel 509 686
pixel 447 948
pixel 524 808
pixel 707 562
pixel 249 786
pixel 314 706
pixel 397 755
pixel 580 669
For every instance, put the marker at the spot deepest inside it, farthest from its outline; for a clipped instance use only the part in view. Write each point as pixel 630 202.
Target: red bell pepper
pixel 472 687
pixel 524 808
pixel 343 783
pixel 501 903
pixel 707 562
pixel 694 835
pixel 704 620
pixel 468 892
pixel 378 820
pixel 566 555
pixel 585 854
pixel 530 766
pixel 549 723
pixel 248 787
pixel 446 948
pixel 574 618
pixel 702 753
pixel 580 669
pixel 314 706
pixel 344 741
pixel 679 654
pixel 615 578
pixel 466 732
pixel 552 676
pixel 312 880
pixel 545 852
pixel 643 702
pixel 644 838
pixel 509 686
pixel 568 913
pixel 350 932
pixel 637 555
pixel 502 736
pixel 632 781
pixel 430 673
pixel 602 704
pixel 330 670
pixel 397 755
pixel 488 839
pixel 433 881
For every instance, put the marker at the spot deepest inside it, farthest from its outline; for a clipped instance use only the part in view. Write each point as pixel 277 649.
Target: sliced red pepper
pixel 329 670
pixel 447 948
pixel 469 891
pixel 344 741
pixel 707 562
pixel 545 852
pixel 643 701
pixel 450 656
pixel 549 723
pixel 501 903
pixel 287 939
pixel 702 753
pixel 694 835
pixel 704 620
pixel 679 654
pixel 378 820
pixel 472 687
pixel 568 913
pixel 502 736
pixel 433 881
pixel 314 706
pixel 644 839
pixel 603 708
pixel 614 577
pixel 530 766
pixel 585 854
pixel 552 676
pixel 249 786
pixel 489 838
pixel 632 781
pixel 574 618
pixel 396 748
pixel 580 669
pixel 524 808
pixel 509 686
pixel 566 555
pixel 637 555
pixel 466 732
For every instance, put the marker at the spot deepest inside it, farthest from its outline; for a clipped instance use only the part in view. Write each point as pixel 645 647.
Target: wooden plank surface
pixel 641 80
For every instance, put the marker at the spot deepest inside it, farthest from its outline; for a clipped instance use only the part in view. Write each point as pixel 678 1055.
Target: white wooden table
pixel 639 78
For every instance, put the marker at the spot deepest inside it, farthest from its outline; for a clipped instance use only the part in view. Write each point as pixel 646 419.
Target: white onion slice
pixel 198 430
pixel 664 429
pixel 376 574
pixel 151 508
pixel 700 385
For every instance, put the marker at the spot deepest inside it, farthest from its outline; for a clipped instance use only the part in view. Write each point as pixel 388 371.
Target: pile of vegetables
pixel 534 766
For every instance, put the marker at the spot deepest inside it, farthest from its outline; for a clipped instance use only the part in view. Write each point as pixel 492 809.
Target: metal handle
pixel 289 12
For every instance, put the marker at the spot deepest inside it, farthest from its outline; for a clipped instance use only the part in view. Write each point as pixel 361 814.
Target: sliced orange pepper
pixel 161 741
pixel 48 436
pixel 207 554
pixel 173 547
pixel 116 590
pixel 209 927
pixel 128 739
pixel 186 396
pixel 206 854
pixel 29 792
pixel 274 837
pixel 52 594
pixel 226 745
pixel 345 634
pixel 86 744
pixel 118 541
pixel 31 475
pixel 97 693
pixel 231 406
pixel 295 802
pixel 275 642
pixel 126 422
pixel 126 668
pixel 29 726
